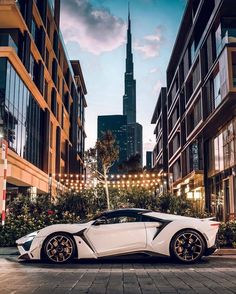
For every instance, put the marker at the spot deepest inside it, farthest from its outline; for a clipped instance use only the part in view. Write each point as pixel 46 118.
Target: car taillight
pixel 215 225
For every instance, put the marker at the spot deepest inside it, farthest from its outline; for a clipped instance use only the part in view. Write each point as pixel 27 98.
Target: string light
pixel 78 182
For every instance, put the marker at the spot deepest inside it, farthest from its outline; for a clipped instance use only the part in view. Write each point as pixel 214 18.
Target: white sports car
pixel 122 232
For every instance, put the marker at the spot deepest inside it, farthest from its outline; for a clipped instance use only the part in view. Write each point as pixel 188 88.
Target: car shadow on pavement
pixel 124 262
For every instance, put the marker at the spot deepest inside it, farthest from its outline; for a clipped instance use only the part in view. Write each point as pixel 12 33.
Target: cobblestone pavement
pixel 213 275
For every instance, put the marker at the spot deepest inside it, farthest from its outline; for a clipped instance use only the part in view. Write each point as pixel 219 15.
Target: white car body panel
pixel 123 237
pixel 94 241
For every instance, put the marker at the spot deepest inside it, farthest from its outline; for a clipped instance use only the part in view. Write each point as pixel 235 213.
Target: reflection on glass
pixel 217 94
pixel 23 119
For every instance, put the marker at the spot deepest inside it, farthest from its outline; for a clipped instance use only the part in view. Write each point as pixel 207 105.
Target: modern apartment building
pixel 201 107
pixel 42 96
pixel 159 118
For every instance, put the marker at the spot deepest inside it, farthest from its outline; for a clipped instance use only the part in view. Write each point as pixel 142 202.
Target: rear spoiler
pixel 213 218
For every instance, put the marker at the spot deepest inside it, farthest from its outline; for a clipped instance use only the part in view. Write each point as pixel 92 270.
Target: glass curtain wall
pixel 22 118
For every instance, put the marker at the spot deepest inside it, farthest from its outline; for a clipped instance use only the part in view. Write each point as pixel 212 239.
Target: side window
pixel 122 219
pixel 148 219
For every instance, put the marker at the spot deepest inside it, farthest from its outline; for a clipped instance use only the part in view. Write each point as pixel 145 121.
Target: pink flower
pixel 50 212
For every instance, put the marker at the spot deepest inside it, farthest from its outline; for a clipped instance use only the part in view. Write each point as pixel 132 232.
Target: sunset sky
pixel 95 33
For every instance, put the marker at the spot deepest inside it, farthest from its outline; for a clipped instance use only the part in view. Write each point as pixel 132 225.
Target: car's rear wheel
pixel 187 246
pixel 59 248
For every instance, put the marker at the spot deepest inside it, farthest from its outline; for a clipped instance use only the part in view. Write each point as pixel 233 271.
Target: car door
pixel 121 234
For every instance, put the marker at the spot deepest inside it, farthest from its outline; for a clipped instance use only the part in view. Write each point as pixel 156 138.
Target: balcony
pixel 10 16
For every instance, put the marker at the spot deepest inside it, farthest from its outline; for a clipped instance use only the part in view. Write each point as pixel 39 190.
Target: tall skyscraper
pixel 129 98
pixel 134 129
pixel 127 131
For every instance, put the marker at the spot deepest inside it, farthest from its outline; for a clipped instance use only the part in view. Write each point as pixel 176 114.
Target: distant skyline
pixel 95 33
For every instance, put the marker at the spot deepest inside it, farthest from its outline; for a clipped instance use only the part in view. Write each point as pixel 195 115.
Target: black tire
pixel 59 248
pixel 187 246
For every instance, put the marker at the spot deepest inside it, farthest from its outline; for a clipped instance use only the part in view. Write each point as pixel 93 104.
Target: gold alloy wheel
pixel 188 246
pixel 59 248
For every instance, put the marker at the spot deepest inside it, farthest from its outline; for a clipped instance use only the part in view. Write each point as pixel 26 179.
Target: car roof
pixel 134 210
pixel 123 210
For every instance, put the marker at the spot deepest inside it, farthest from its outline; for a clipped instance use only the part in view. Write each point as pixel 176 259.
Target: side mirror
pixel 100 221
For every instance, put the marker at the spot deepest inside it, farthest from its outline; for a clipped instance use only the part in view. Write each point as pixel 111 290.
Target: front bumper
pixel 29 247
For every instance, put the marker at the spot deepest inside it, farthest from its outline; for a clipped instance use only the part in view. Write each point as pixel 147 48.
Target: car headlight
pixel 27 240
pixel 31 236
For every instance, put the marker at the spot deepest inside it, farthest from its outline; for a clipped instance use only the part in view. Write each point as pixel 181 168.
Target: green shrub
pixel 227 234
pixel 25 216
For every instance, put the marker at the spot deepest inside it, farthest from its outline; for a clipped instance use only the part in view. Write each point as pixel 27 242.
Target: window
pixel 32 65
pixel 195 116
pixel 23 126
pixel 47 59
pixel 174 144
pixel 218 40
pixel 51 134
pixel 174 117
pixel 216 87
pixel 52 5
pixel 48 27
pixel 62 117
pixel 234 68
pixel 228 146
pixel 34 30
pixel 176 170
pixel 121 218
pixel 194 156
pixel 192 52
pixel 46 90
pixel 218 153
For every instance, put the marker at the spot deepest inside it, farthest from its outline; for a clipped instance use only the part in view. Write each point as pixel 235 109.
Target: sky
pixel 94 32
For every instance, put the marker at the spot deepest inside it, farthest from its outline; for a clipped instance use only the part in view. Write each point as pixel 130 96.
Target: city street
pixel 214 274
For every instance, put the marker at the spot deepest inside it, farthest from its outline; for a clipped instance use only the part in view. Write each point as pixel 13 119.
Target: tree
pixel 101 158
pixel 133 164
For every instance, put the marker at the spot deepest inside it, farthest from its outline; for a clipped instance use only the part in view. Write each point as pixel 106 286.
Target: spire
pixel 129 98
pixel 129 55
pixel 128 15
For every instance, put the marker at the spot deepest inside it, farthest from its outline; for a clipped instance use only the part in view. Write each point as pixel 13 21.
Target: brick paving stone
pixel 213 275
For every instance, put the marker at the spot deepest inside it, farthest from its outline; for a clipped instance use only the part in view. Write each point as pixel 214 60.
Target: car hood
pixel 66 228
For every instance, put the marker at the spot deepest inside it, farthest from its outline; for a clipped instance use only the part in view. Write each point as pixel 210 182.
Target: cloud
pixel 95 29
pixel 153 70
pixel 151 44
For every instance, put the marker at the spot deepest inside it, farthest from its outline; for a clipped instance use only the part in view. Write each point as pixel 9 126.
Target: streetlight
pixel 4 145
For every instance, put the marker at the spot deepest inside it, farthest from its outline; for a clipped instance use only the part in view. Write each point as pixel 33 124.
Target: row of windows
pixel 225 33
pixel 22 117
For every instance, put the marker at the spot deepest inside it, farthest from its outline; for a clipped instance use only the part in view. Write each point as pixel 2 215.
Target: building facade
pixel 149 160
pixel 201 107
pixel 42 97
pixel 117 124
pixel 159 118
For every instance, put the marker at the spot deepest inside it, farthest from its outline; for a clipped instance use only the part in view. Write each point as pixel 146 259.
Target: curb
pixel 225 251
pixel 8 251
pixel 219 252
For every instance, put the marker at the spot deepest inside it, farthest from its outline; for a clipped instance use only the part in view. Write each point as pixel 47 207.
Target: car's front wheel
pixel 187 246
pixel 59 248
